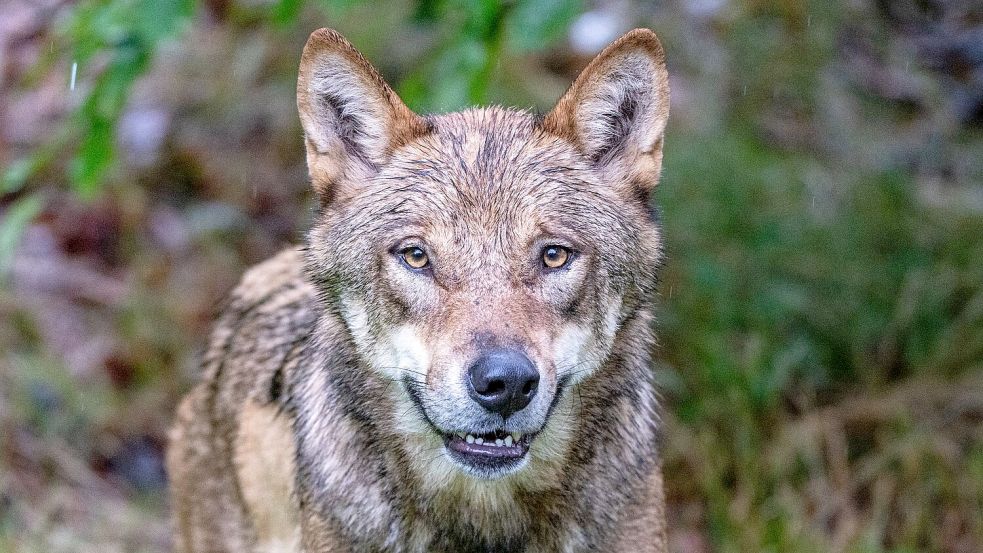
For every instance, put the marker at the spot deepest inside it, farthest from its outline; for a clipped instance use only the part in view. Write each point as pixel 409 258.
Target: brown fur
pixel 334 371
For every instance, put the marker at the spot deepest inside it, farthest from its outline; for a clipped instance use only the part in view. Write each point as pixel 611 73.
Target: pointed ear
pixel 616 110
pixel 352 120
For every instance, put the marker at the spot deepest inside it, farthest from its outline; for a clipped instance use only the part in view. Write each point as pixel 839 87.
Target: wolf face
pixel 483 262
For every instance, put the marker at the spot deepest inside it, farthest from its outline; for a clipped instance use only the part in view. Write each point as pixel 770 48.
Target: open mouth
pixel 491 454
pixel 493 450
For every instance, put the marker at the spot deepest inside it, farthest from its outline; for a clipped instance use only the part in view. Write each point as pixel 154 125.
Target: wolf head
pixel 484 262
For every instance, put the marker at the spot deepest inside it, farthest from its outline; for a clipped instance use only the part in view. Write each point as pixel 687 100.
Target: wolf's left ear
pixel 616 110
pixel 352 119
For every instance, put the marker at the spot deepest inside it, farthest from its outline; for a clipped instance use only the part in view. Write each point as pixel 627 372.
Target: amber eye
pixel 414 257
pixel 555 257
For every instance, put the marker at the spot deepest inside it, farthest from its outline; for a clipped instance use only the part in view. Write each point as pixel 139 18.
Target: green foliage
pixel 474 36
pixel 15 220
pixel 119 37
pixel 113 43
pixel 777 298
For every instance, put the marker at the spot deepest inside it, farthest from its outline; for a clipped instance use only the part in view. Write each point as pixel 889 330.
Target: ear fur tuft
pixel 352 119
pixel 616 110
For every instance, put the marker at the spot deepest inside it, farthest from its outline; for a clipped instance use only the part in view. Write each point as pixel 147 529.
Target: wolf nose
pixel 503 381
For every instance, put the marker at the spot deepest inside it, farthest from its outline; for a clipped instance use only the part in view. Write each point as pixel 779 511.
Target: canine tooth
pixel 508 441
pixel 479 441
pixel 516 436
pixel 499 442
pixel 469 439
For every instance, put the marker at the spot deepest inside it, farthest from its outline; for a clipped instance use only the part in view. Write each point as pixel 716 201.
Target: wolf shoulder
pixel 275 290
pixel 231 453
pixel 265 322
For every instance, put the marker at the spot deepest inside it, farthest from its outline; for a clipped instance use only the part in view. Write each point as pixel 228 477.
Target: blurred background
pixel 821 324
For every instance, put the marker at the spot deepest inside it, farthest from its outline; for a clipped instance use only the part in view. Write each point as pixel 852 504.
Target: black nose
pixel 503 381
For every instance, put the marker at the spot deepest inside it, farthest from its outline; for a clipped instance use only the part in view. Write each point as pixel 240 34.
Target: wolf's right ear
pixel 352 120
pixel 616 110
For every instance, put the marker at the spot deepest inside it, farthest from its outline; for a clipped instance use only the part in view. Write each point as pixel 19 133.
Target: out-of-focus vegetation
pixel 822 326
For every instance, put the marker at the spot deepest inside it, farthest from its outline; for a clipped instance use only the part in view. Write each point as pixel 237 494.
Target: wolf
pixel 458 359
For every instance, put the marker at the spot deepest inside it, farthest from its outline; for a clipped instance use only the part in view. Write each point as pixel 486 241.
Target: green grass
pixel 822 354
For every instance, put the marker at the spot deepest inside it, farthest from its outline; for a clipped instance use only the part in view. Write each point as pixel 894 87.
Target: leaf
pixel 127 32
pixel 15 177
pixel 94 157
pixel 338 7
pixel 286 11
pixel 159 19
pixel 100 112
pixel 12 225
pixel 533 25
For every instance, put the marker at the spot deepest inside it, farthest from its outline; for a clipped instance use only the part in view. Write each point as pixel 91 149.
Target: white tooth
pixel 508 441
pixel 460 435
pixel 499 442
pixel 516 436
pixel 479 441
pixel 469 439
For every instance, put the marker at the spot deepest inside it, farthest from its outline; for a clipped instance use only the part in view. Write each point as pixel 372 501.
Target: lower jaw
pixel 488 468
pixel 487 461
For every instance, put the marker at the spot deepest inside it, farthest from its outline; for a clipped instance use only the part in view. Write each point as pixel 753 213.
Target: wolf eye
pixel 555 257
pixel 414 257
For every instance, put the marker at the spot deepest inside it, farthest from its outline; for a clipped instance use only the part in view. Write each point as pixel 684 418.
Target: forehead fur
pixel 483 153
pixel 493 170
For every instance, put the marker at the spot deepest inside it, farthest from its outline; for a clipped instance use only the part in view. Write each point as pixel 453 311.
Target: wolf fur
pixel 334 372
